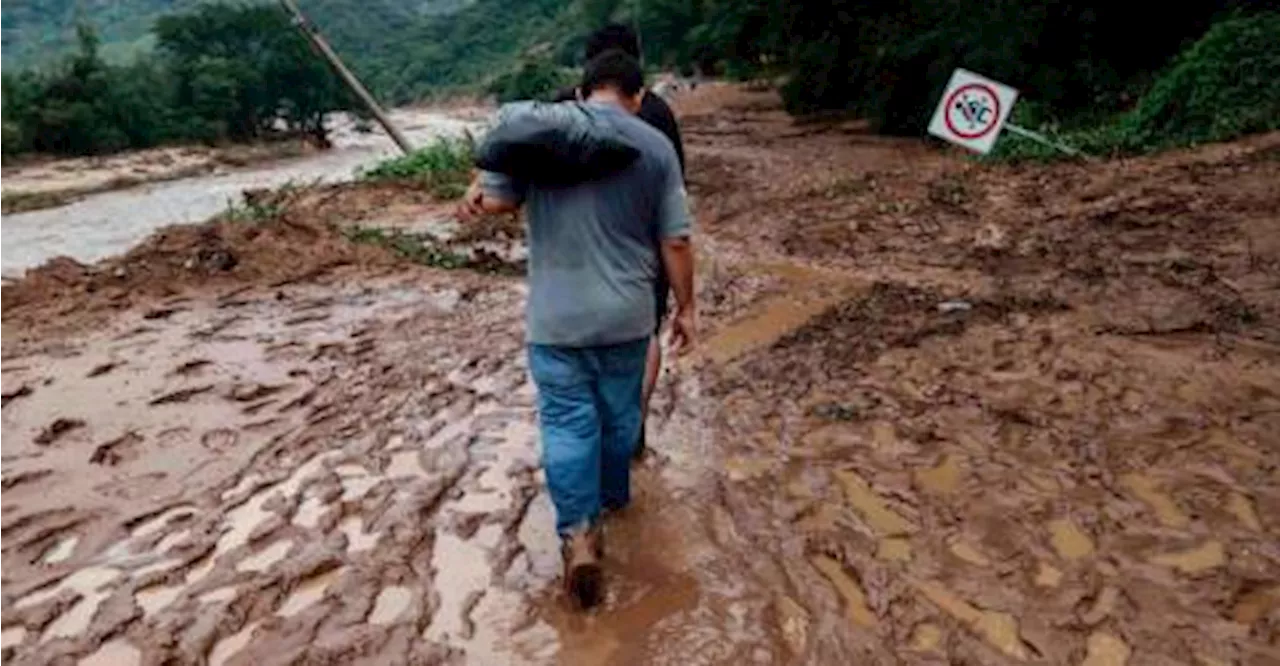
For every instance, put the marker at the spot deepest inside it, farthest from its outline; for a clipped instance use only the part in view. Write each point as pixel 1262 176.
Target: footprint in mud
pixel 13 481
pixel 104 368
pixel 255 392
pixel 20 392
pixel 56 430
pixel 161 313
pixel 219 440
pixel 191 367
pixel 180 395
pixel 120 449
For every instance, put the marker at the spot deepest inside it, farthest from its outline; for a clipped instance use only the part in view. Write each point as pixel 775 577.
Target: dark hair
pixel 610 37
pixel 613 68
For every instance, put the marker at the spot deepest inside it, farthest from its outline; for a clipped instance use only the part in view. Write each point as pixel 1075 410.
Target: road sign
pixel 972 111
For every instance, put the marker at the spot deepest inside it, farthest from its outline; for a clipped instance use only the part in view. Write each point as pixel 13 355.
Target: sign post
pixel 974 110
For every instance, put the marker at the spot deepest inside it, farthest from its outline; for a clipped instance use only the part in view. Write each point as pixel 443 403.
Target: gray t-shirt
pixel 594 247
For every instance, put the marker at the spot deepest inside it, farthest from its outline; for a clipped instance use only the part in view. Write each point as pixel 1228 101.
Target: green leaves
pixel 444 167
pixel 222 72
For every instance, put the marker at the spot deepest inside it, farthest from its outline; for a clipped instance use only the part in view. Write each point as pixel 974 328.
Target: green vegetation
pixel 444 167
pixel 1224 85
pixel 222 72
pixel 1074 61
pixel 533 78
pixel 418 248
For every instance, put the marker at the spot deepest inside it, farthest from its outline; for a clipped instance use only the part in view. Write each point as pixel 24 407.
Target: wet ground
pixel 105 224
pixel 941 414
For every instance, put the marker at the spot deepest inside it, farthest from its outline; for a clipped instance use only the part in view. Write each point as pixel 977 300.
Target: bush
pixel 532 79
pixel 1225 85
pixel 12 140
pixel 444 167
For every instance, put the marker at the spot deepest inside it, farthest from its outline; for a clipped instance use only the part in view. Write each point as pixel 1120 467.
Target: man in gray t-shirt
pixel 595 251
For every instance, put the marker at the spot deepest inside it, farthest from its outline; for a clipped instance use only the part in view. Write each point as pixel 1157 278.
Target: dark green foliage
pixel 889 61
pixel 1222 86
pixel 240 68
pixel 444 167
pixel 1225 85
pixel 465 49
pixel 533 78
pixel 223 72
pixel 1081 66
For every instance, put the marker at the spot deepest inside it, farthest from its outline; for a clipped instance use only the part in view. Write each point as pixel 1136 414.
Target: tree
pixel 241 69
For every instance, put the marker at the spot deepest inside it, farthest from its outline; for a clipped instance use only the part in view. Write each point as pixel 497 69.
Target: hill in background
pixel 37 32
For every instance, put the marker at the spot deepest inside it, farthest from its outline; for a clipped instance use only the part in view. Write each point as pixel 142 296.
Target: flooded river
pixel 109 223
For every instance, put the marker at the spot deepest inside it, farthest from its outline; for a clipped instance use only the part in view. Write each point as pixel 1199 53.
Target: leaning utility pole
pixel 309 30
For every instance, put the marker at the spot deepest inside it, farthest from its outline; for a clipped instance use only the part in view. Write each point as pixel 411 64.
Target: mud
pixel 941 413
pixel 178 186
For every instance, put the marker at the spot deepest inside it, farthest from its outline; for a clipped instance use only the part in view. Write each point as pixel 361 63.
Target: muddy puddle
pixel 108 223
pixel 901 441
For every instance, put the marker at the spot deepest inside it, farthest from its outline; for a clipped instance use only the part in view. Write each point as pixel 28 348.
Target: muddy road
pixel 942 413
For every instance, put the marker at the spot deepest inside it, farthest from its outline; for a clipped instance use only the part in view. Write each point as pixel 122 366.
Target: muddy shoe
pixel 583 577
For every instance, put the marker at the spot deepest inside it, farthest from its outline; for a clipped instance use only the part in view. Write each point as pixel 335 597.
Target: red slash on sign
pixel 971 111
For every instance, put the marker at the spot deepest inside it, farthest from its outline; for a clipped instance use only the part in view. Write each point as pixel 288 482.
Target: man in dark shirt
pixel 655 111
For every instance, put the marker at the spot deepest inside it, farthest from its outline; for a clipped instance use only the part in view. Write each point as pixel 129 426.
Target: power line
pixel 310 31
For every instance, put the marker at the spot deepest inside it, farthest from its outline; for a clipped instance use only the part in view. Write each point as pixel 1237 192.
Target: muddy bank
pixel 48 183
pixel 109 223
pixel 942 414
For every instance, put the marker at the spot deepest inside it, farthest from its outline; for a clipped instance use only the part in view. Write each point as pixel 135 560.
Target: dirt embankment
pixel 942 413
pixel 33 184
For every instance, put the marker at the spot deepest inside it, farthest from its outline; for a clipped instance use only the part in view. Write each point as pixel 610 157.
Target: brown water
pixel 109 223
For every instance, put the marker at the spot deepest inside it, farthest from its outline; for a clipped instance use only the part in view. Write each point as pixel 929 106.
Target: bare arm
pixel 676 230
pixel 677 259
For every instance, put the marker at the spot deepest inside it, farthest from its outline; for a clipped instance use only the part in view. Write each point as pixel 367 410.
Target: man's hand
pixel 472 204
pixel 677 261
pixel 684 330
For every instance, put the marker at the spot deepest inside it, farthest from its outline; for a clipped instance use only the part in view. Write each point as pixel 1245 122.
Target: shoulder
pixel 657 152
pixel 655 111
pixel 649 139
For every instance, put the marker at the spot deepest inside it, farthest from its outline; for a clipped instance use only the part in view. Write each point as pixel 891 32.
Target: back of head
pixel 614 69
pixel 613 36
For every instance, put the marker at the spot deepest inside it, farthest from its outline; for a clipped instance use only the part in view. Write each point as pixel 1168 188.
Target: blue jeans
pixel 589 415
